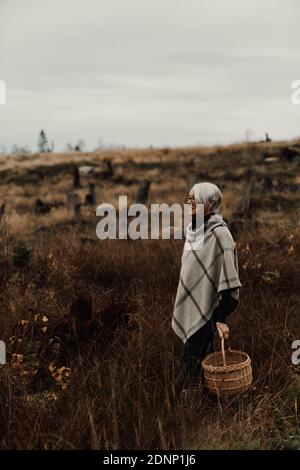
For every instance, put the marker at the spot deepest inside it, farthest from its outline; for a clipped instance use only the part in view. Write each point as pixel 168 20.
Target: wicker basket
pixel 230 374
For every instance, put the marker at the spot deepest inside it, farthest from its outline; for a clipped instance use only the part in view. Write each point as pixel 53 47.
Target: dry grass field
pixel 92 361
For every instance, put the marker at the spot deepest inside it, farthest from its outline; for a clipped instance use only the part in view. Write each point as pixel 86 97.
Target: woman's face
pixel 193 206
pixel 192 203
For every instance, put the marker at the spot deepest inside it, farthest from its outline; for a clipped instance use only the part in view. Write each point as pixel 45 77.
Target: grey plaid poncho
pixel 204 274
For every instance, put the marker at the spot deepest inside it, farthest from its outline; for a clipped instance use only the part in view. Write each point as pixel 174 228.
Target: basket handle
pixel 223 349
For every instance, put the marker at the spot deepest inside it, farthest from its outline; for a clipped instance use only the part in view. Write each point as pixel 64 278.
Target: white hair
pixel 207 193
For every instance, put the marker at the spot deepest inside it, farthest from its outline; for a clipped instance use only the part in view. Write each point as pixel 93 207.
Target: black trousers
pixel 196 348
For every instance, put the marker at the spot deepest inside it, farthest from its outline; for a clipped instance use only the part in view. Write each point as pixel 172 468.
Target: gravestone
pixel 143 192
pixel 76 178
pixel 90 197
pixel 73 203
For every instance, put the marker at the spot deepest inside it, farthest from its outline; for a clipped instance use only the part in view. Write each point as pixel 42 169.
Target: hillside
pixel 92 360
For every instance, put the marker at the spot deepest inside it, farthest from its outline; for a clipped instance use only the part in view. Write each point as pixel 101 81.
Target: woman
pixel 208 289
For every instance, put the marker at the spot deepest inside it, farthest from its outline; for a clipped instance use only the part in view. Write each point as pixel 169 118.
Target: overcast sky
pixel 148 72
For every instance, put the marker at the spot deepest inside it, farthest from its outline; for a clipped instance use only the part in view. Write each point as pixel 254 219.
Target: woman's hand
pixel 223 330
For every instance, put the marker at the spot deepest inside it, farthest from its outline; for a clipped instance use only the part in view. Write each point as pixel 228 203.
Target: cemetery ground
pixel 92 361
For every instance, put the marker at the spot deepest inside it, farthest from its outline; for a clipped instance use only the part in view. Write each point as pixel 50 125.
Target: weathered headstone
pixel 90 197
pixel 76 178
pixel 143 192
pixel 73 203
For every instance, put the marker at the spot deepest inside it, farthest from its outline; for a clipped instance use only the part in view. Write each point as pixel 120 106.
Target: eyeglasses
pixel 190 199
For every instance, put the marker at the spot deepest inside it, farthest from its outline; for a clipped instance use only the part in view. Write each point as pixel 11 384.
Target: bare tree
pixel 80 146
pixel 43 142
pixel 69 147
pixel 268 139
pixel 20 150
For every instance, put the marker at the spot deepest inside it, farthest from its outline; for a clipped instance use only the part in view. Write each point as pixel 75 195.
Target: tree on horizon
pixel 43 142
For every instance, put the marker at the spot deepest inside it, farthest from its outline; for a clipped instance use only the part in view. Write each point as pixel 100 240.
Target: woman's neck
pixel 194 225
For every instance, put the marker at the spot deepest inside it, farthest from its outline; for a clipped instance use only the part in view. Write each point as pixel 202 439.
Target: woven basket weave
pixel 229 373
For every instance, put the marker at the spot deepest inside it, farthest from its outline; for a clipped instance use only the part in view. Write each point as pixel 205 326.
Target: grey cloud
pixel 148 72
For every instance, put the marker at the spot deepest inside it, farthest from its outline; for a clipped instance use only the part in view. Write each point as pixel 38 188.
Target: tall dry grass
pixel 92 361
pixel 103 310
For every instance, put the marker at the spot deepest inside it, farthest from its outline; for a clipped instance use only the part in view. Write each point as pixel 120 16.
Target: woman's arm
pixel 226 306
